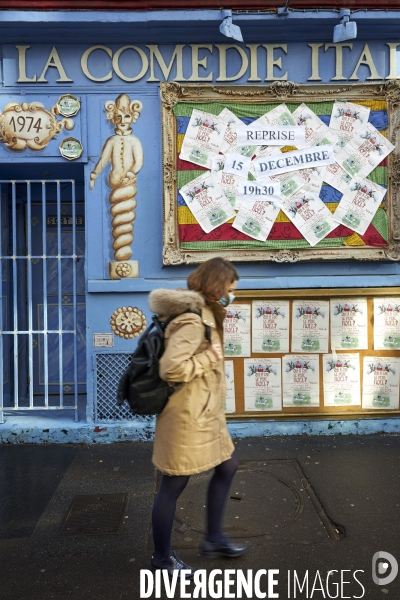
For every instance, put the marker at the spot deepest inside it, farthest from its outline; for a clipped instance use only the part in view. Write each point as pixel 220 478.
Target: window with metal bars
pixel 42 321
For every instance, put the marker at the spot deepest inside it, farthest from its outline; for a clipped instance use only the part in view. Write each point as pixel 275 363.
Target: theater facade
pixel 131 150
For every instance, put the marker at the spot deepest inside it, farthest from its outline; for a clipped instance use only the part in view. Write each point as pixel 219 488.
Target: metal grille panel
pixel 101 514
pixel 108 370
pixel 42 274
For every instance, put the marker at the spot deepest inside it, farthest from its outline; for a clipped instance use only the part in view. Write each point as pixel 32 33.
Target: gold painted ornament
pixel 68 105
pixel 30 125
pixel 128 322
pixel 71 148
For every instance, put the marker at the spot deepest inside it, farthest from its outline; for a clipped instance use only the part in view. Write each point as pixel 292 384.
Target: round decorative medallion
pixel 128 322
pixel 71 148
pixel 123 269
pixel 68 105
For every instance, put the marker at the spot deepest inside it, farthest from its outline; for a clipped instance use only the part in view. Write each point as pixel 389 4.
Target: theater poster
pixel 237 326
pixel 310 326
pixel 386 323
pixel 341 374
pixel 349 323
pixel 270 325
pixel 262 384
pixel 300 376
pixel 381 382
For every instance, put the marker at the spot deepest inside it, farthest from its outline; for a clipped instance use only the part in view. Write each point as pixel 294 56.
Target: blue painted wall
pixel 104 296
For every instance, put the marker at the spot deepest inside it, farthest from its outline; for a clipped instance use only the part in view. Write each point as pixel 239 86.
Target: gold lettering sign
pixel 30 125
pixel 256 60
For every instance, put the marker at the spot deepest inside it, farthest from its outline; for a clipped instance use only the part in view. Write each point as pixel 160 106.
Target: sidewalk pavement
pixel 302 504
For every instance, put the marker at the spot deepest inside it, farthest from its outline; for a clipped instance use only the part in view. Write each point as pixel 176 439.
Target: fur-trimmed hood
pixel 174 302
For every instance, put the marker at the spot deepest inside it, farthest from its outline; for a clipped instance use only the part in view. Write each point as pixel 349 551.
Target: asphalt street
pixel 315 509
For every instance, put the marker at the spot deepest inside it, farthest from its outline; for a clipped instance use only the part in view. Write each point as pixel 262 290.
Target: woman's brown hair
pixel 212 277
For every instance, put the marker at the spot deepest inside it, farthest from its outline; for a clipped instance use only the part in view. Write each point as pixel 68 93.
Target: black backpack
pixel 141 384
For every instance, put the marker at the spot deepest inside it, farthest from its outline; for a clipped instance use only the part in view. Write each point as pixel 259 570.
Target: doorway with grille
pixel 43 320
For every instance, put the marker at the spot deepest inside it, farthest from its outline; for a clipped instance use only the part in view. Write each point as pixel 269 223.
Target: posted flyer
pixel 310 215
pixel 280 115
pixel 317 133
pixel 381 382
pixel 310 326
pixel 341 375
pixel 386 323
pixel 291 183
pixel 349 323
pixel 230 403
pixel 203 138
pixel 237 326
pixel 230 134
pixel 338 178
pixel 358 206
pixel 270 326
pixel 230 143
pixel 300 376
pixel 366 149
pixel 314 178
pixel 262 384
pixel 228 182
pixel 256 217
pixel 207 202
pixel 347 118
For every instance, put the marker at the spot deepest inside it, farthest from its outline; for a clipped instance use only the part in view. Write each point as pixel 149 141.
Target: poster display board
pixel 254 136
pixel 352 366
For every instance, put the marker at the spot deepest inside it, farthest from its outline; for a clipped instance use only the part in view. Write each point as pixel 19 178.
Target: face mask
pixel 224 301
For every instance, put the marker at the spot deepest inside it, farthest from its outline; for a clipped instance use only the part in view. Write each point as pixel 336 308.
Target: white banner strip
pixel 271 135
pixel 252 190
pixel 293 161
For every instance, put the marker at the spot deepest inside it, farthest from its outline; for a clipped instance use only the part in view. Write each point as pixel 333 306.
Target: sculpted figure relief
pixel 125 152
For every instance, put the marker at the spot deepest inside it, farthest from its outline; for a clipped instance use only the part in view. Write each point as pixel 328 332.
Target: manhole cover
pixel 101 514
pixel 269 500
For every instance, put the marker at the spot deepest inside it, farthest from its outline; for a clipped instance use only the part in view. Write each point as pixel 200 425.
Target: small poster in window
pixel 270 326
pixel 386 323
pixel 341 379
pixel 300 375
pixel 262 384
pixel 237 326
pixel 381 382
pixel 310 326
pixel 349 323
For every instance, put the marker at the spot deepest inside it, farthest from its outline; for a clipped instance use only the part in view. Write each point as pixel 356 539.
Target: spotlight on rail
pixel 346 30
pixel 228 28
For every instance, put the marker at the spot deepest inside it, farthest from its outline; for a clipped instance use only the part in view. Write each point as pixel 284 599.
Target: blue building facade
pixel 80 96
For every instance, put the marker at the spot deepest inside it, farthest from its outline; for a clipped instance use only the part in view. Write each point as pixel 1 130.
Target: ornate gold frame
pixel 172 93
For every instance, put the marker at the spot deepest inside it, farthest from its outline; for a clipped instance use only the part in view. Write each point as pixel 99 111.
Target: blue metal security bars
pixel 42 272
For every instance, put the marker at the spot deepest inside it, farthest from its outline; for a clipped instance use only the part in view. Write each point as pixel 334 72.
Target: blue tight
pixel 165 505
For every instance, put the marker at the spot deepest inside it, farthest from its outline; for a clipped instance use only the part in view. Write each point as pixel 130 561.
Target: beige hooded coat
pixel 191 434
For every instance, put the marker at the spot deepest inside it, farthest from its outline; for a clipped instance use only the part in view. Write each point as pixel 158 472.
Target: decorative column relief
pixel 125 152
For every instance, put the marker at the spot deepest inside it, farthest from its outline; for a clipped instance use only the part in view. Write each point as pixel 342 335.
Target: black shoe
pixel 172 563
pixel 223 548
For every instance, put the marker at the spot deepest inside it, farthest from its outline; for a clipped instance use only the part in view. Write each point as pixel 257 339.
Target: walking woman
pixel 191 434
